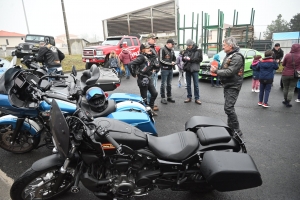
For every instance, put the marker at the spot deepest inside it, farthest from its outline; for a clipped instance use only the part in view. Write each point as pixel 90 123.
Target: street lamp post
pixel 25 16
pixel 66 26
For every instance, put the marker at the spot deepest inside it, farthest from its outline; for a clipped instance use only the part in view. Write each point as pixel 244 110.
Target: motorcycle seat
pixel 212 134
pixel 92 75
pixel 174 147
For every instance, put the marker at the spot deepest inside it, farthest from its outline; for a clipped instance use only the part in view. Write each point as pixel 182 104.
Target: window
pixel 135 42
pixel 250 53
pixel 128 40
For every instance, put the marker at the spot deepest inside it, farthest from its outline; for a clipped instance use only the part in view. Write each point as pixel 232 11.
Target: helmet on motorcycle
pixel 96 98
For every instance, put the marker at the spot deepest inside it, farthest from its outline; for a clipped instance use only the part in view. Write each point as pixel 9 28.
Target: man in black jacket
pixel 51 56
pixel 151 40
pixel 167 60
pixel 278 53
pixel 192 58
pixel 231 76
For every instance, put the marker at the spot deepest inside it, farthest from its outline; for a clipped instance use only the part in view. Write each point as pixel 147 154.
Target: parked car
pixel 31 44
pixel 204 72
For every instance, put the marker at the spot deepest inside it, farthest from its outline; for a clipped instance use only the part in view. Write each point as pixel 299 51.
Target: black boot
pixel 169 99
pixel 288 104
pixel 284 101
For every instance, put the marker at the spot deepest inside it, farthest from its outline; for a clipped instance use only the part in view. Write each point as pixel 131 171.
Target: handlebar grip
pixel 113 141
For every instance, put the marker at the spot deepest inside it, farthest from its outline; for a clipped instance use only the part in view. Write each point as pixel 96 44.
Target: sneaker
pixel 256 90
pixel 259 103
pixel 288 105
pixel 164 101
pixel 212 85
pixel 169 99
pixel 252 90
pixel 297 100
pixel 218 86
pixel 155 108
pixel 265 105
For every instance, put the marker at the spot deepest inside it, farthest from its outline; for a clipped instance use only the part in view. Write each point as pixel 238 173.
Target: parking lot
pixel 271 135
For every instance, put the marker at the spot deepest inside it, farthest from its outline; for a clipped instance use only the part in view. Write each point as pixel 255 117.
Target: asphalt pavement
pixel 271 136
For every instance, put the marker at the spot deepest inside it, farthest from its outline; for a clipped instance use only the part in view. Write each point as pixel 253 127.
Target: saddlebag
pixel 229 171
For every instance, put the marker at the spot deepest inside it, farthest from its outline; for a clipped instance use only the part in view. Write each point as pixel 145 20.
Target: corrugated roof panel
pixel 286 35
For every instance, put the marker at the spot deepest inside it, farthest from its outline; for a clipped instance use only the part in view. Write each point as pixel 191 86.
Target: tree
pixel 279 25
pixel 295 23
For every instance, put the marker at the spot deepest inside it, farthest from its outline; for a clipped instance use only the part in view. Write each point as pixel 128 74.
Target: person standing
pixel 278 53
pixel 291 61
pixel 114 62
pixel 167 59
pixel 192 57
pixel 51 56
pixel 141 69
pixel 215 63
pixel 125 58
pixel 231 76
pixel 255 77
pixel 151 40
pixel 180 65
pixel 298 88
pixel 266 76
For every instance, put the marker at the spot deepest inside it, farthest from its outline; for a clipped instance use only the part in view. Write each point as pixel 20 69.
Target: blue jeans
pixel 51 70
pixel 166 76
pixel 127 72
pixel 189 76
pixel 154 78
pixel 264 92
pixel 212 80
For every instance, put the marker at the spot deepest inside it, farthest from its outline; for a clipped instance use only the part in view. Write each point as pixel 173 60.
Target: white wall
pixel 13 41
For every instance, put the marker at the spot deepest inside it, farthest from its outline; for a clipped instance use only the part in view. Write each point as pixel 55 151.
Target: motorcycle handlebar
pixel 113 142
pixel 47 100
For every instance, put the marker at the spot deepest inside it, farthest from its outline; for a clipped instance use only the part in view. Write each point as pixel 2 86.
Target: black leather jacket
pixel 50 55
pixel 141 66
pixel 232 70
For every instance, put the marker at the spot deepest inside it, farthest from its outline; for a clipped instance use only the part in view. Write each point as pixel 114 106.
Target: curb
pixel 5 185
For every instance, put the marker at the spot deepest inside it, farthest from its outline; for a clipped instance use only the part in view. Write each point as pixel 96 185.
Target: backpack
pixel 114 63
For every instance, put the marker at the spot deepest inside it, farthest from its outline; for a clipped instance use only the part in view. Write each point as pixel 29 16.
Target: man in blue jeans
pixel 167 60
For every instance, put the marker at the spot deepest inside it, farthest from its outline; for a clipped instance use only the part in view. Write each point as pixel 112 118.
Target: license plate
pixel 206 72
pixel 59 69
pixel 87 60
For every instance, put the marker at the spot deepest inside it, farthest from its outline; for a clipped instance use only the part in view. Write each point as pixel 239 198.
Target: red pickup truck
pixel 99 54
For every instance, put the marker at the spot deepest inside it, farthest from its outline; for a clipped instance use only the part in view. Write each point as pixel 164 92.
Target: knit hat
pixel 190 42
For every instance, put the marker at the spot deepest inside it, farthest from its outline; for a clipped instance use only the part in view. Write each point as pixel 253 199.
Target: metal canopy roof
pixel 286 36
pixel 153 19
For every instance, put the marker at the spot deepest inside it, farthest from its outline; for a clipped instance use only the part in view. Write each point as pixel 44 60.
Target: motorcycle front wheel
pixel 35 185
pixel 24 142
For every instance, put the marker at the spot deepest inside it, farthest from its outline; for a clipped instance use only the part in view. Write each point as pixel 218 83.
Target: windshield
pixel 111 41
pixel 35 38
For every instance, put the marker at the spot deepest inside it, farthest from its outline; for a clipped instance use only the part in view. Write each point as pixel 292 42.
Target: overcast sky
pixel 85 16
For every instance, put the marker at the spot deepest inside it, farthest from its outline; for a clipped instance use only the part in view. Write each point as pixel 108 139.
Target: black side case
pixel 228 171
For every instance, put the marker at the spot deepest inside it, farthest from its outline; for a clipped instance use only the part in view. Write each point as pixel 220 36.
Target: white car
pixel 176 70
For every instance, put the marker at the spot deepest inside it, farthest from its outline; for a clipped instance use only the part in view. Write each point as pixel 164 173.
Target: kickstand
pixel 183 178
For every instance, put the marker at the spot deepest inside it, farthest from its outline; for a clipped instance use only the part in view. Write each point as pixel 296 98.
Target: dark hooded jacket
pixel 193 65
pixel 278 54
pixel 232 70
pixel 266 69
pixel 141 66
pixel 50 55
pixel 288 69
pixel 255 70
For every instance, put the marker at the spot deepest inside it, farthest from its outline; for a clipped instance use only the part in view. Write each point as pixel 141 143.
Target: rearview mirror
pixel 74 72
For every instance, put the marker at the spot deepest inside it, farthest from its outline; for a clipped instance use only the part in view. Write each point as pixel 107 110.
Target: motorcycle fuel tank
pixel 63 105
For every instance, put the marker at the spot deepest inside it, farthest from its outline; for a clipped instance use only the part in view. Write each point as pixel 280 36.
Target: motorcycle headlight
pixel 99 53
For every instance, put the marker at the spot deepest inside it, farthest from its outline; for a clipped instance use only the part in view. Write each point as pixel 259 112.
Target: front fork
pixel 64 168
pixel 17 129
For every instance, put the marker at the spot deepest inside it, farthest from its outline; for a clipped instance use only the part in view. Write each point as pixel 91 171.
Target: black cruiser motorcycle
pixel 117 161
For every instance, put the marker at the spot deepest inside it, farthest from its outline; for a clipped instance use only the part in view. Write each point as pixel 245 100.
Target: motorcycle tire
pixel 24 144
pixel 27 186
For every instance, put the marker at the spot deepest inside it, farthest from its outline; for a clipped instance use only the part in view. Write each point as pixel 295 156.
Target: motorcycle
pixel 114 165
pixel 22 96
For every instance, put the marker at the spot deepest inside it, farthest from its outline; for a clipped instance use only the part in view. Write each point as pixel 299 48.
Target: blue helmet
pixel 96 98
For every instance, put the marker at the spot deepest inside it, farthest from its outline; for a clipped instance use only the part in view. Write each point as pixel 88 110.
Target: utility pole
pixel 66 26
pixel 25 17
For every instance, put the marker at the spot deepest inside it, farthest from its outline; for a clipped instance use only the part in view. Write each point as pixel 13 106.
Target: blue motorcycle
pixel 23 97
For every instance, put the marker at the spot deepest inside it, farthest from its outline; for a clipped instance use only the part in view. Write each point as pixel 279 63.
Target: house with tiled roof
pixel 11 39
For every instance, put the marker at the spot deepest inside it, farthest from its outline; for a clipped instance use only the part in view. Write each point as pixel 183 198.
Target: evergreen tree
pixel 295 23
